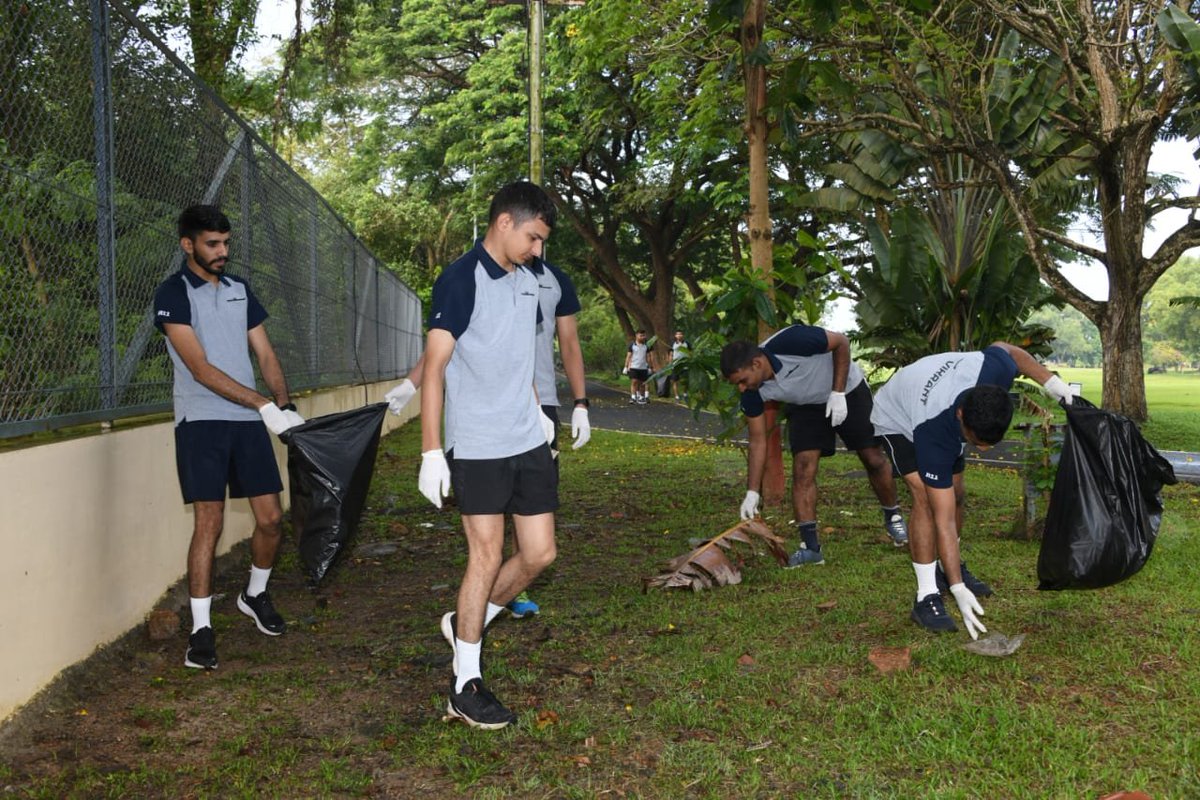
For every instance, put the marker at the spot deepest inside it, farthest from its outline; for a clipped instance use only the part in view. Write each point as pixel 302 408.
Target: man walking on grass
pixel 927 413
pixel 212 321
pixel 479 370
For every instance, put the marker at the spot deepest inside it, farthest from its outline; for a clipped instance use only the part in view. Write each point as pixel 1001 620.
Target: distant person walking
pixel 639 363
pixel 679 348
pixel 212 321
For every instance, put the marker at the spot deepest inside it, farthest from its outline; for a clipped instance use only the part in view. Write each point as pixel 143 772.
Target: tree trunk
pixel 758 215
pixel 1121 340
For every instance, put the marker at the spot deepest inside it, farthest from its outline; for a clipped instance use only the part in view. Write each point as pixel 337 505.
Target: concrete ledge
pixel 94 531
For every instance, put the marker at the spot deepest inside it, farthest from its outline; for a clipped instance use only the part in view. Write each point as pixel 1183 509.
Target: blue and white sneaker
pixel 521 606
pixel 805 558
pixel 897 531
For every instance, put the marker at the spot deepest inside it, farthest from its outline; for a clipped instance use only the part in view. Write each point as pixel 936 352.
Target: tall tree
pixel 1061 104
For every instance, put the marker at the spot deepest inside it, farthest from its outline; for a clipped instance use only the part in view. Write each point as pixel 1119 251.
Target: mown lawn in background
pixel 1172 400
pixel 749 691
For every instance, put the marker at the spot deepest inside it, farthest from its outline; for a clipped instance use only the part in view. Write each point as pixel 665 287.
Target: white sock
pixel 200 609
pixel 926 582
pixel 492 611
pixel 258 581
pixel 466 658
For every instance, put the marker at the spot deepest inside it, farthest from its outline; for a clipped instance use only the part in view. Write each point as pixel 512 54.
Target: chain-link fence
pixel 105 135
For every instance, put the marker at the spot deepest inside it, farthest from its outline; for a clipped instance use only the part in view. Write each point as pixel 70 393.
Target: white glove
pixel 835 408
pixel 434 481
pixel 625 371
pixel 398 397
pixel 293 418
pixel 749 508
pixel 969 607
pixel 547 426
pixel 581 429
pixel 276 419
pixel 1057 388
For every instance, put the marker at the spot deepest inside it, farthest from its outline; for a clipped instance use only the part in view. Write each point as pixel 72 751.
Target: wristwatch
pixel 582 401
pixel 288 407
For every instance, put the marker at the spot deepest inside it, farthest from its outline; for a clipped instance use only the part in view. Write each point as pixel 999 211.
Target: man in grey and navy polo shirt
pixel 926 413
pixel 479 371
pixel 810 369
pixel 212 321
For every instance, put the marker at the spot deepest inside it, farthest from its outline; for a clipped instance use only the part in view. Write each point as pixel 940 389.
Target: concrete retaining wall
pixel 93 531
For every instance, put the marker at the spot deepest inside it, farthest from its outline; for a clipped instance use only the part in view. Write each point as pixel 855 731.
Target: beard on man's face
pixel 214 267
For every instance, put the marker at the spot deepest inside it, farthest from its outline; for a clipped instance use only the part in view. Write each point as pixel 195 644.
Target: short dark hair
pixel 737 355
pixel 197 219
pixel 523 201
pixel 987 411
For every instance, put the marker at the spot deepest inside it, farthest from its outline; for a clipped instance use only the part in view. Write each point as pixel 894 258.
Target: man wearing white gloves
pixel 479 367
pixel 810 369
pixel 927 413
pixel 559 302
pixel 212 320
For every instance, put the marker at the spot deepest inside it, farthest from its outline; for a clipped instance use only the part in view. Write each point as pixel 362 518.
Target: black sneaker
pixel 262 611
pixel 930 613
pixel 977 587
pixel 478 707
pixel 202 650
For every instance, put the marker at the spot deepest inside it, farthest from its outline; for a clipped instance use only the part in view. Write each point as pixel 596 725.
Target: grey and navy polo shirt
pixel 221 314
pixel 921 400
pixel 639 358
pixel 803 366
pixel 490 407
pixel 557 298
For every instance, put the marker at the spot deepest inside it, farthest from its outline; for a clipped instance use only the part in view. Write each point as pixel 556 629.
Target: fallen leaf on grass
pixel 581 761
pixel 546 717
pixel 708 566
pixel 890 659
pixel 1127 796
pixel 746 660
pixel 828 605
pixel 997 645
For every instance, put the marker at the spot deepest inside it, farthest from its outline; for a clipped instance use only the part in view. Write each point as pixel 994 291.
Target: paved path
pixel 611 410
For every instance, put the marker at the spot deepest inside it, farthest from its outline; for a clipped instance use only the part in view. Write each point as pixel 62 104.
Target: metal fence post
pixel 102 123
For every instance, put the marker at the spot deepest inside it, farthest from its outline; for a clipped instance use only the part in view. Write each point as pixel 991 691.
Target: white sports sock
pixel 492 611
pixel 258 581
pixel 926 582
pixel 466 658
pixel 200 612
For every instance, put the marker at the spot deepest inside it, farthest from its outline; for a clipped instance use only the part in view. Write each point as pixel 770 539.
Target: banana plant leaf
pixel 708 565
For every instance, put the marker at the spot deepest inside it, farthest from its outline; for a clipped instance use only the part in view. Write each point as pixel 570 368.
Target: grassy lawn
pixel 763 689
pixel 1172 398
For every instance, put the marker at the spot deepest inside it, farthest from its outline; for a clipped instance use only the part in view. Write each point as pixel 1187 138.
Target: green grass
pixel 743 691
pixel 1172 401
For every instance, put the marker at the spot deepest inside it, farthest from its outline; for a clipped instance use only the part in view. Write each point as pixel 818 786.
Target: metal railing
pixel 105 136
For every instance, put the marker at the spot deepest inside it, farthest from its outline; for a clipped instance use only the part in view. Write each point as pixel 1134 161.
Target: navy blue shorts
pixel 211 455
pixel 809 428
pixel 524 484
pixel 903 454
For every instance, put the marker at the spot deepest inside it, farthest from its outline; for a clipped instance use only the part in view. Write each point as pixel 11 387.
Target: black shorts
pixel 638 374
pixel 809 428
pixel 903 454
pixel 211 455
pixel 525 484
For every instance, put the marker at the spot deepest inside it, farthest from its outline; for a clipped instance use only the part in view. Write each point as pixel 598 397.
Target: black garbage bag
pixel 1105 508
pixel 330 463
